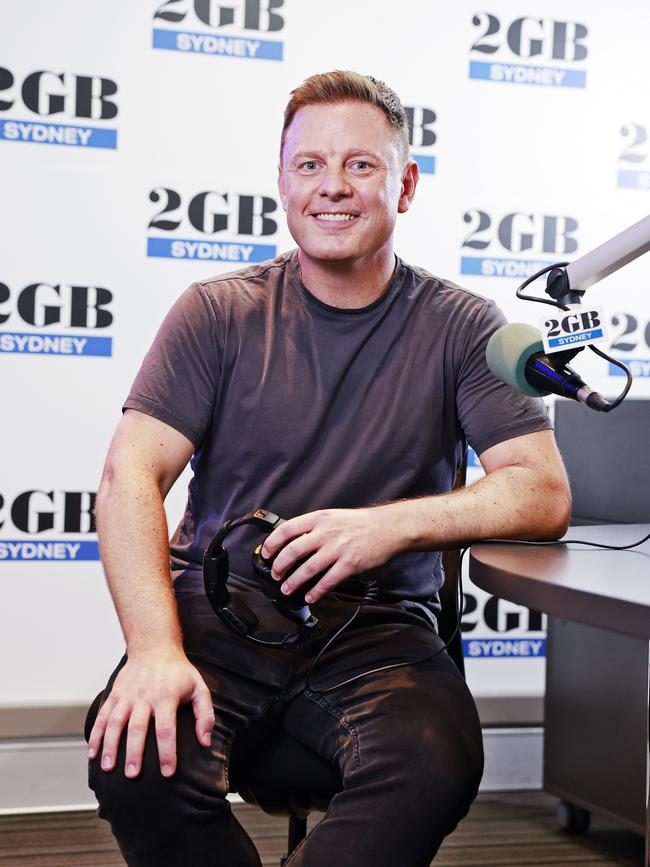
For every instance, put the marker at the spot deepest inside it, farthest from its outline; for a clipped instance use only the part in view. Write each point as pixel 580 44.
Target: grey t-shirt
pixel 293 405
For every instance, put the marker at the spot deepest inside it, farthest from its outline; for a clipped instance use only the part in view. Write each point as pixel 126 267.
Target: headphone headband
pixel 235 613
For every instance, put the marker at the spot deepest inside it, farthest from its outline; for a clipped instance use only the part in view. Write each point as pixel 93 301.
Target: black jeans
pixel 406 742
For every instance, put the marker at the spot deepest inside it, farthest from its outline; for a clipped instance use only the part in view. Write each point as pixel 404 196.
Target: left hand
pixel 337 542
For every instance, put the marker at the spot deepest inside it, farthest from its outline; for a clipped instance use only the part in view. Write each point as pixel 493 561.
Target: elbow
pixel 557 517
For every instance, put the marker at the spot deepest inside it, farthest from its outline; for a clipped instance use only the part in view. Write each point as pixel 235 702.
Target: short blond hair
pixel 346 86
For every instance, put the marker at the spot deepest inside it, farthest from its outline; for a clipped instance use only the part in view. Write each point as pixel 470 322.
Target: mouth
pixel 334 217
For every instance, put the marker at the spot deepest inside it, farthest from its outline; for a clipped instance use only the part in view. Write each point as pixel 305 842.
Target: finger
pixel 97 732
pixel 165 718
pixel 331 579
pixel 291 554
pixel 135 740
pixel 204 714
pixel 315 565
pixel 287 531
pixel 115 724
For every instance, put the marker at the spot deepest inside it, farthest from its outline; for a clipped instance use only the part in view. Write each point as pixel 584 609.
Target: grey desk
pixel 597 739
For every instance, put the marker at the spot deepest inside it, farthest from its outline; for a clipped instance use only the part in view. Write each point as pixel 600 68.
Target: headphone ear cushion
pixel 215 577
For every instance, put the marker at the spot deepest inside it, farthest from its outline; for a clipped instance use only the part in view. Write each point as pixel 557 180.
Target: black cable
pixel 562 542
pixel 624 367
pixel 459 605
pixel 532 279
pixel 440 650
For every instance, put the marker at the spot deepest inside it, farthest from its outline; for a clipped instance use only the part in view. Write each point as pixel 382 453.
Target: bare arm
pixel 524 494
pixel 144 460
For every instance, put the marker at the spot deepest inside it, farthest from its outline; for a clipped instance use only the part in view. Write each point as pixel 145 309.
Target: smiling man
pixel 336 386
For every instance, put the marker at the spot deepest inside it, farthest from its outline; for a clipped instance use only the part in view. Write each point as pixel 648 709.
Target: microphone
pixel 515 355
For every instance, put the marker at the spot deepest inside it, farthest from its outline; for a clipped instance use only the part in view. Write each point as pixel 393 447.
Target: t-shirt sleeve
pixel 490 411
pixel 178 379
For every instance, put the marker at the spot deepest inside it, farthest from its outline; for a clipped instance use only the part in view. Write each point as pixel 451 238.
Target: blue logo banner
pixel 58 134
pixel 518 73
pixel 579 337
pixel 41 551
pixel 208 43
pixel 631 180
pixel 640 367
pixel 54 344
pixel 504 648
pixel 220 251
pixel 426 164
pixel 487 266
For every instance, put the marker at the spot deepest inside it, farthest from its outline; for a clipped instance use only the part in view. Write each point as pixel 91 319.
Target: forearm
pixel 510 503
pixel 133 538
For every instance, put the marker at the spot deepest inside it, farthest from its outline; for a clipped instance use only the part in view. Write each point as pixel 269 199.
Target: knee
pixel 152 798
pixel 450 766
pixel 439 752
pixel 440 759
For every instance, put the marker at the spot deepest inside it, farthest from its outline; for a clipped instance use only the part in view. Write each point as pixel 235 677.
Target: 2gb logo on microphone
pixel 578 327
pixel 559 45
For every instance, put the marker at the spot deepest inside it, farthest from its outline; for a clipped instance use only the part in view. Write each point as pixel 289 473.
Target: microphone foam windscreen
pixel 507 352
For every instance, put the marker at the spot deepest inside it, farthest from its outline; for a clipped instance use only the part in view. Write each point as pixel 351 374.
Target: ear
pixel 281 188
pixel 410 178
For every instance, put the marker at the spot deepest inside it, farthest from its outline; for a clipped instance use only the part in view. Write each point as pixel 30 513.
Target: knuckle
pixel 350 559
pixel 114 724
pixel 310 569
pixel 102 717
pixel 165 731
pixel 327 583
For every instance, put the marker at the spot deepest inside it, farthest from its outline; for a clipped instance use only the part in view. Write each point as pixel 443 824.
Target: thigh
pixel 407 743
pixel 409 720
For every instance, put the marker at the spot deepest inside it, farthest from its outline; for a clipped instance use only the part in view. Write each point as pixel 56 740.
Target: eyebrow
pixel 353 152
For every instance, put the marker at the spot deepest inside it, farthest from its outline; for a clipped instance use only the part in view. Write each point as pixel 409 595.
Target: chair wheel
pixel 572 819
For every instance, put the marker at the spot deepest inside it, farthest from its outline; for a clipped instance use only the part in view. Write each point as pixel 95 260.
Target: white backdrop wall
pixel 138 150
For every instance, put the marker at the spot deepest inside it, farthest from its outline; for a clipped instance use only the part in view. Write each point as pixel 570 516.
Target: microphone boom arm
pixel 568 285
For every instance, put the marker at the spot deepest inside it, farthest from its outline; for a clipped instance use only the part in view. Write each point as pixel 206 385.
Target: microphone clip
pixel 559 289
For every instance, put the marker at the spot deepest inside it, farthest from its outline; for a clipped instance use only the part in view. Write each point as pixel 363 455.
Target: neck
pixel 346 285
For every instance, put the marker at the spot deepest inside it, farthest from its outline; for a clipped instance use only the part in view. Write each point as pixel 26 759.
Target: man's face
pixel 343 181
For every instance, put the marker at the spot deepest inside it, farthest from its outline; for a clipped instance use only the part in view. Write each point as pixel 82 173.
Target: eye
pixel 309 165
pixel 360 165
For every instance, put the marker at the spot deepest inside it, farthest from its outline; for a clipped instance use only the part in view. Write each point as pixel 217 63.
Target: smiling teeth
pixel 335 216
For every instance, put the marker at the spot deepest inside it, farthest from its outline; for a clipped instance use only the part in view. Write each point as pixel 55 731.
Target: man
pixel 334 386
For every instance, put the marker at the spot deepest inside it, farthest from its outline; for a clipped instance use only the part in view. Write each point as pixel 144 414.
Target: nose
pixel 334 183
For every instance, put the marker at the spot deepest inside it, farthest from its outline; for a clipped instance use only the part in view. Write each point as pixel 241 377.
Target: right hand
pixel 150 685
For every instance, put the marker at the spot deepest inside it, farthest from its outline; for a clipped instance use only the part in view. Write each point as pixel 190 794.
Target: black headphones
pixel 235 613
